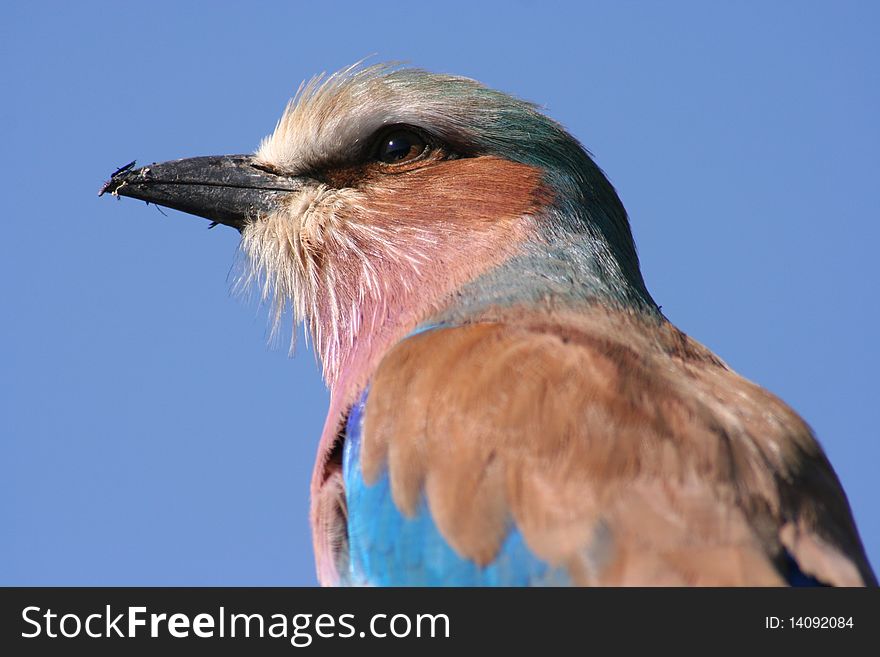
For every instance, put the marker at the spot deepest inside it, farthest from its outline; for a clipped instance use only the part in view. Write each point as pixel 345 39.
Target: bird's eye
pixel 399 146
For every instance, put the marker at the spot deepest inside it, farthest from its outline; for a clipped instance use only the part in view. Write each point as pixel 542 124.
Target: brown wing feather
pixel 619 447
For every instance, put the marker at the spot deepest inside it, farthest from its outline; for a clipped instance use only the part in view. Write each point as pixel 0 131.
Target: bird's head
pixel 387 197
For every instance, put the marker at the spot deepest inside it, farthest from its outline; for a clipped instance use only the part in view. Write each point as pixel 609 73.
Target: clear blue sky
pixel 150 435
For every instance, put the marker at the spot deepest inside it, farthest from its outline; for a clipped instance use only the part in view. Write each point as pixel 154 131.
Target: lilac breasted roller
pixel 509 406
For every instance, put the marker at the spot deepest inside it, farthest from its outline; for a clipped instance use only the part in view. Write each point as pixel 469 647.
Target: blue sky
pixel 149 433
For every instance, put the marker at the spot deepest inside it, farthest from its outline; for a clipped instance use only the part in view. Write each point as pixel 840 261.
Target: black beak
pixel 227 189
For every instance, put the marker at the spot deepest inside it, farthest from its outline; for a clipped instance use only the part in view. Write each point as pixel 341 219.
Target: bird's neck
pixel 544 272
pixel 562 272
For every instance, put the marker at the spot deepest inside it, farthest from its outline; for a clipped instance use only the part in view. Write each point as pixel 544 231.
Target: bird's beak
pixel 227 189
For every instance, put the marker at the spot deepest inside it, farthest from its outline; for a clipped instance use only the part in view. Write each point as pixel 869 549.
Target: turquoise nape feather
pixel 508 404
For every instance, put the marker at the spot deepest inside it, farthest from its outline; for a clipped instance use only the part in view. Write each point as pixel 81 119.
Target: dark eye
pixel 400 146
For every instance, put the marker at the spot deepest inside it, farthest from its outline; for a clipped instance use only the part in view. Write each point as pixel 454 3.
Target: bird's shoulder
pixel 617 446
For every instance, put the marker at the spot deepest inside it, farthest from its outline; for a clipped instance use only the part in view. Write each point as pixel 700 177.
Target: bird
pixel 508 406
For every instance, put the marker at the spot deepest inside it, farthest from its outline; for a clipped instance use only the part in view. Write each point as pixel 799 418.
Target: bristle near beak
pixel 227 189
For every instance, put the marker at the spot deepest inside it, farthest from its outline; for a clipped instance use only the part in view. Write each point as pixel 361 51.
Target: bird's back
pixel 594 447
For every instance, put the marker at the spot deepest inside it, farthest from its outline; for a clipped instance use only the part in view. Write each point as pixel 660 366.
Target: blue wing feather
pixel 388 549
